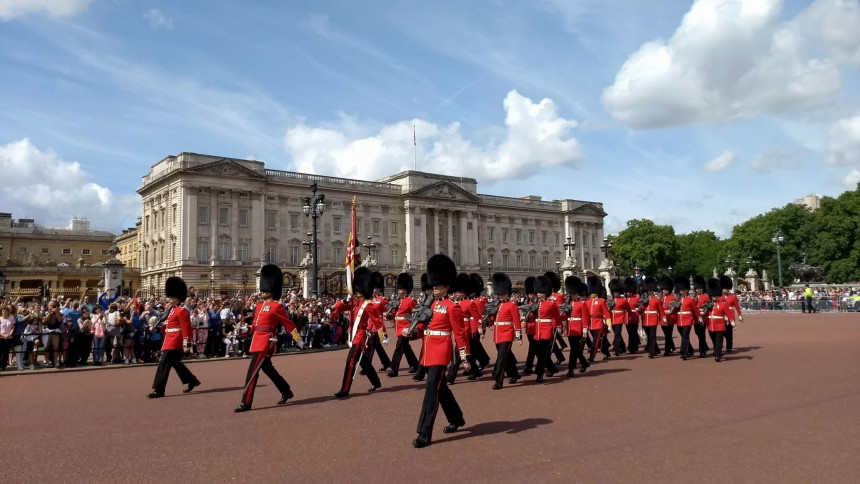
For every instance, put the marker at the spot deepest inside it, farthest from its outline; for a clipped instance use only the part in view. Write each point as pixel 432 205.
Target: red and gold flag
pixel 351 244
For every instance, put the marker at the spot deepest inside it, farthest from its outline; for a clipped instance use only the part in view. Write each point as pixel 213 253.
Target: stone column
pixel 188 226
pixel 258 226
pixel 435 246
pixel 465 260
pixel 234 225
pixel 408 220
pixel 580 230
pixel 213 223
pixel 449 225
pixel 423 235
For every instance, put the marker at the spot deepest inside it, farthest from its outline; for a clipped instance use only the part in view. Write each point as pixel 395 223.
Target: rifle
pixel 421 314
pixel 490 311
pixel 392 309
pixel 527 309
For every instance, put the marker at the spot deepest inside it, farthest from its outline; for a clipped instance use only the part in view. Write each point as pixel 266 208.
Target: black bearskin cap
pixel 529 285
pixel 425 286
pixel 377 282
pixel 681 283
pixel 463 284
pixel 667 284
pixel 573 286
pixel 441 271
pixel 554 280
pixel 362 282
pixel 650 284
pixel 630 286
pixel 404 281
pixel 698 282
pixel 543 285
pixel 714 289
pixel 502 284
pixel 616 286
pixel 477 283
pixel 594 285
pixel 272 280
pixel 175 287
pixel 726 283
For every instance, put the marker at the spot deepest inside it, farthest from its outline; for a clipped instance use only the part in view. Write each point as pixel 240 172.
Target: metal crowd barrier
pixel 823 305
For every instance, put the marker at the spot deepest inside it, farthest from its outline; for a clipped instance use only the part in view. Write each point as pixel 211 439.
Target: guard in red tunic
pixel 177 338
pixel 506 328
pixel 419 321
pixel 378 332
pixel 269 315
pixel 576 324
pixel 479 304
pixel 404 309
pixel 718 317
pixel 667 285
pixel 558 344
pixel 601 319
pixel 634 300
pixel 688 315
pixel 734 310
pixel 653 315
pixel 620 311
pixel 548 319
pixel 361 311
pixel 702 300
pixel 462 286
pixel 445 325
pixel 528 317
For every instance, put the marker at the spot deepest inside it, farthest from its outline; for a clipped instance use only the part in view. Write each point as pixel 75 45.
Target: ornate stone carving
pixel 443 191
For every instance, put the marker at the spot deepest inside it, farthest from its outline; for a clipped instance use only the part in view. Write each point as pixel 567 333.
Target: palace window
pixel 394 260
pixel 543 237
pixel 375 225
pixel 531 261
pixel 86 252
pixel 243 252
pixel 243 218
pixel 224 251
pixel 270 220
pixel 531 236
pixel 223 215
pixel 294 256
pixel 202 250
pixel 22 250
pixel 519 261
pixel 545 262
pixel 294 221
pixel 45 251
pixel 394 229
pixel 519 236
pixel 67 251
pixel 491 233
pixel 504 235
pixel 270 253
pixel 504 261
pixel 338 256
pixel 337 225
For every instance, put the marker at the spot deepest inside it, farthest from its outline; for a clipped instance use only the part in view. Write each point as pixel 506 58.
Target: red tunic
pixel 621 311
pixel 689 312
pixel 598 313
pixel 548 318
pixel 446 323
pixel 530 322
pixel 578 318
pixel 635 310
pixel 654 314
pixel 267 318
pixel 507 323
pixel 177 329
pixel 360 315
pixel 467 310
pixel 407 305
pixel 671 317
pixel 718 317
pixel 733 306
pixel 376 321
pixel 479 304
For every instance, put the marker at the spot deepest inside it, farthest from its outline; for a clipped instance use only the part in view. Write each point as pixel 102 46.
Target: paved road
pixel 784 408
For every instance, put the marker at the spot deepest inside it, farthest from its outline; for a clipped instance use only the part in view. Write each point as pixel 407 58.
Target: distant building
pixel 56 262
pixel 129 247
pixel 812 202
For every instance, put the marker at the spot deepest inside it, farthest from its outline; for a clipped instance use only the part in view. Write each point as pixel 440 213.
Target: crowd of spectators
pixel 76 332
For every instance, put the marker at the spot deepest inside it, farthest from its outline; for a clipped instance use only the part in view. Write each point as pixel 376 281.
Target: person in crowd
pixel 228 332
pixel 84 338
pixel 128 336
pixel 99 333
pixel 52 323
pixel 7 332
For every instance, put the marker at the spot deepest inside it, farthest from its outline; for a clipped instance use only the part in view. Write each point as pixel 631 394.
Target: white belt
pixel 504 323
pixel 173 330
pixel 543 320
pixel 716 317
pixel 574 319
pixel 685 312
pixel 431 332
pixel 618 312
pixel 400 318
pixel 652 312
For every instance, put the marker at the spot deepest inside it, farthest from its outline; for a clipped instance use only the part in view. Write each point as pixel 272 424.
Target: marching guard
pixel 702 300
pixel 547 321
pixel 734 313
pixel 600 319
pixel 421 318
pixel 653 316
pixel 620 311
pixel 378 333
pixel 529 320
pixel 361 311
pixel 460 293
pixel 576 325
pixel 268 316
pixel 634 300
pixel 177 337
pixel 558 343
pixel 445 325
pixel 506 328
pixel 401 322
pixel 688 315
pixel 667 287
pixel 718 317
pixel 480 303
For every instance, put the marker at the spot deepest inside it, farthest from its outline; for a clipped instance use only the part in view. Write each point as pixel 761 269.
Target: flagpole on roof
pixel 415 146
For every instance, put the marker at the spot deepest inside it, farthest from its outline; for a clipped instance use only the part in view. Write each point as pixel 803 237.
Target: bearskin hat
pixel 698 282
pixel 441 271
pixel 362 282
pixel 594 285
pixel 650 284
pixel 714 289
pixel 404 281
pixel 554 280
pixel 425 286
pixel 477 283
pixel 377 281
pixel 502 284
pixel 573 286
pixel 543 285
pixel 529 285
pixel 463 284
pixel 681 283
pixel 272 280
pixel 616 286
pixel 175 287
pixel 630 286
pixel 667 284
pixel 726 283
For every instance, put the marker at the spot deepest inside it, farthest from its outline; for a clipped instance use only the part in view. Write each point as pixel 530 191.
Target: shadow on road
pixel 500 427
pixel 212 390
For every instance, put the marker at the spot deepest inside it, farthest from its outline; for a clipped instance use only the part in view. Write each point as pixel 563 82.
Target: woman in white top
pixel 99 332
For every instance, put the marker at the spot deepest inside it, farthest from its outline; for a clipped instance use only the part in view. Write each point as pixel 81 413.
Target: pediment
pixel 225 167
pixel 443 190
pixel 589 209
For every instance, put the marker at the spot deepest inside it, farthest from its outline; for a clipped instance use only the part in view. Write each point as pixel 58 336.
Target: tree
pixel 699 253
pixel 642 243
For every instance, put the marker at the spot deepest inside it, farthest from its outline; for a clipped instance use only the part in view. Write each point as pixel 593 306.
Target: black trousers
pixel 437 393
pixel 506 363
pixel 559 339
pixel 633 337
pixel 376 347
pixel 669 339
pixel 477 349
pixel 651 331
pixel 355 358
pixel 253 375
pixel 556 349
pixel 85 345
pixel 603 344
pixel 686 347
pixel 717 340
pixel 542 352
pixel 530 357
pixel 618 345
pixel 171 359
pixel 401 349
pixel 702 335
pixel 576 352
pixel 730 337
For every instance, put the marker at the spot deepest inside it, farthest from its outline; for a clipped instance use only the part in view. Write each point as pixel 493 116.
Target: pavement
pixel 783 407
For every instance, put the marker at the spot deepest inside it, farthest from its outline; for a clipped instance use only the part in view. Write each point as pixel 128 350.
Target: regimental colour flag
pixel 350 250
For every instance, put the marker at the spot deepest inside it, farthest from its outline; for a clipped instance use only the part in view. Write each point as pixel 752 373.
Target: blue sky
pixel 697 114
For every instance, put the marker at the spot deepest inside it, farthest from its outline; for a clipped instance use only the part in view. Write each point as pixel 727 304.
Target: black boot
pixel 243 407
pixel 285 397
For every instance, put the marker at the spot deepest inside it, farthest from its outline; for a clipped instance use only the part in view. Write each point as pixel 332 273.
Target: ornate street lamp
pixel 606 248
pixel 371 246
pixel 569 246
pixel 558 267
pixel 489 267
pixel 670 271
pixel 314 208
pixel 777 238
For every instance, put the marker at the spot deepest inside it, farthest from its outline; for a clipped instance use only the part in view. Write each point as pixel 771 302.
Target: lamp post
pixel 211 287
pixel 569 246
pixel 778 239
pixel 558 267
pixel 489 267
pixel 370 245
pixel 606 248
pixel 670 271
pixel 314 208
pixel 244 280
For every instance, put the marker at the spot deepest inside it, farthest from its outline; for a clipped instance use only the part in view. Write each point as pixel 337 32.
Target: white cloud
pixel 844 146
pixel 157 19
pixel 535 136
pixel 780 159
pixel 10 9
pixel 836 24
pixel 728 60
pixel 52 190
pixel 721 162
pixel 852 178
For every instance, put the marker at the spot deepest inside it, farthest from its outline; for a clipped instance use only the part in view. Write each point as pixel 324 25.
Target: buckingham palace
pixel 214 220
